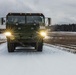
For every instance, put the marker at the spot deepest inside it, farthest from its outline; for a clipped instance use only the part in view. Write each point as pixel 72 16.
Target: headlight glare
pixel 42 33
pixel 8 33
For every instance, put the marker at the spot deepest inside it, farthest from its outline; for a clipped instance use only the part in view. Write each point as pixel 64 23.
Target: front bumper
pixel 25 40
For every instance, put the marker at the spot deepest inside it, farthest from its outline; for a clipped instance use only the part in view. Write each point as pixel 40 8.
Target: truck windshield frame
pixel 25 19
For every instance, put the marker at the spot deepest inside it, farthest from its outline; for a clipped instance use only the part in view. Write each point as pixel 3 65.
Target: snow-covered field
pixel 62 33
pixel 2 26
pixel 2 36
pixel 51 61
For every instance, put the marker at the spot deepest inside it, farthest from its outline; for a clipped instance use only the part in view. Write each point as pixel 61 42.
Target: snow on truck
pixel 25 29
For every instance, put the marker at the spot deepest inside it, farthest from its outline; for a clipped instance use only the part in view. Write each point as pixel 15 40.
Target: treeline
pixel 63 27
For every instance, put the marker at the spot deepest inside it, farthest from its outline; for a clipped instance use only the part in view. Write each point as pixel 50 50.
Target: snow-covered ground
pixel 51 61
pixel 61 33
pixel 2 26
pixel 2 36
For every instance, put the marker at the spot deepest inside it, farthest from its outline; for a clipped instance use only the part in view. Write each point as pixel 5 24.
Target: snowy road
pixel 51 61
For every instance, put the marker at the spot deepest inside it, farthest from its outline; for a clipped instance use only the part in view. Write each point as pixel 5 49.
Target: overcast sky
pixel 61 11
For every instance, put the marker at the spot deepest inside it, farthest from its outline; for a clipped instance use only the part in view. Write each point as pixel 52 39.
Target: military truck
pixel 25 29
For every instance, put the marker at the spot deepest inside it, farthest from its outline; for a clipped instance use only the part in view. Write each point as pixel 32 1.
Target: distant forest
pixel 63 27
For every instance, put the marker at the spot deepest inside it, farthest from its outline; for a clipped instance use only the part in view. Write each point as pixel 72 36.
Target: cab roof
pixel 39 14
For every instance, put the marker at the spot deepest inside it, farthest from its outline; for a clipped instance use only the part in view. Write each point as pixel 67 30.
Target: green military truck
pixel 25 29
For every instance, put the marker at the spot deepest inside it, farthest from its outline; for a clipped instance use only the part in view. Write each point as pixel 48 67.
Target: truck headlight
pixel 42 33
pixel 8 33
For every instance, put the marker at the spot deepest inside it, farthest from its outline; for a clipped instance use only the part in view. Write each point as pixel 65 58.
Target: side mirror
pixel 2 21
pixel 49 21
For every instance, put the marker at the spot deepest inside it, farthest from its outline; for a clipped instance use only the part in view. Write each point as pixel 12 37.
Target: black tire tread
pixel 10 47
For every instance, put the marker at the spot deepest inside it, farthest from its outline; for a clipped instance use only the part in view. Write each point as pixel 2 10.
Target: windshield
pixel 25 19
pixel 35 19
pixel 16 19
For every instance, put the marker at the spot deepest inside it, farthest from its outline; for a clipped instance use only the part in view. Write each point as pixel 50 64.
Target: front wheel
pixel 40 47
pixel 10 46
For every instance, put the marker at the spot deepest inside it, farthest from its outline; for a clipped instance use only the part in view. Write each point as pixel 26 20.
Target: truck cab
pixel 25 29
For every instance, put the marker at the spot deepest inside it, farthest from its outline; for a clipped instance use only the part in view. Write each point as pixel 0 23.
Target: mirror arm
pixel 2 20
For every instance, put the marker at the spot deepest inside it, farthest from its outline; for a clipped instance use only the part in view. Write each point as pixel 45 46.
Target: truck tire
pixel 40 47
pixel 11 47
